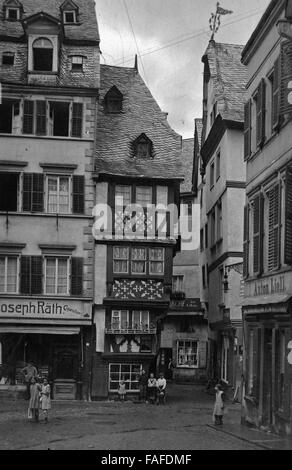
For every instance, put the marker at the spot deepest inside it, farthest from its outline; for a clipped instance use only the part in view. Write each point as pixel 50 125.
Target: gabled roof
pixel 85 30
pixel 41 15
pixel 117 132
pixel 187 163
pixel 229 76
pixel 12 3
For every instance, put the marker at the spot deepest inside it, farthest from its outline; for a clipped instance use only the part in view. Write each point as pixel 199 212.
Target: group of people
pixel 38 393
pixel 151 390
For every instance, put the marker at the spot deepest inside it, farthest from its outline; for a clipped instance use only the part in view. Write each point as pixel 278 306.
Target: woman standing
pixel 34 402
pixel 152 388
pixel 46 399
pixel 219 405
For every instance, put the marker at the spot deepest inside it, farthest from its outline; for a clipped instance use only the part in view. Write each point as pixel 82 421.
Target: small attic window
pixel 113 101
pixel 143 147
pixel 69 17
pixel 8 58
pixel 12 14
pixel 77 63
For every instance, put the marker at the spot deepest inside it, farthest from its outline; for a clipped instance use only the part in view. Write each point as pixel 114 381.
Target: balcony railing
pixel 116 329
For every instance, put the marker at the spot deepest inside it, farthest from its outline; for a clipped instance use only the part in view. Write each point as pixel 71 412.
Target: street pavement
pixel 184 423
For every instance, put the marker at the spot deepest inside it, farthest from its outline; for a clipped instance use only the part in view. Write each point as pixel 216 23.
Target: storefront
pixel 53 335
pixel 267 314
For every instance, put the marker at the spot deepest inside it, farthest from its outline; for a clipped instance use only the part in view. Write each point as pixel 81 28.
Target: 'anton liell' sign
pixel 269 286
pixel 45 309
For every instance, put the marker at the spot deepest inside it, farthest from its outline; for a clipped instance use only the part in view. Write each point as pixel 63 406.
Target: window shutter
pixel 288 217
pixel 258 214
pixel 31 275
pixel 28 117
pixel 77 276
pixel 274 228
pixel 77 119
pixel 202 351
pixel 246 242
pixel 286 78
pixel 37 192
pixel 36 275
pixel 261 113
pixel 33 192
pixel 41 117
pixel 78 194
pixel 25 274
pixel 276 93
pixel 27 192
pixel 247 129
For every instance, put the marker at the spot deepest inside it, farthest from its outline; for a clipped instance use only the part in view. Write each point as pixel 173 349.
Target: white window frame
pixel 6 258
pixel 77 59
pixel 141 188
pixel 196 354
pixel 8 9
pixel 57 258
pixel 65 12
pixel 132 390
pixel 156 261
pixel 48 175
pixel 122 194
pixel 121 259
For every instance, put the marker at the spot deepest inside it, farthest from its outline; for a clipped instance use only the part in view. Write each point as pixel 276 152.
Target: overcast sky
pixel 171 36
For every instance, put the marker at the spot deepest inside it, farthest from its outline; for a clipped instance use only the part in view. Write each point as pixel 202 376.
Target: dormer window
pixel 143 147
pixel 113 101
pixel 69 17
pixel 12 14
pixel 42 55
pixel 8 58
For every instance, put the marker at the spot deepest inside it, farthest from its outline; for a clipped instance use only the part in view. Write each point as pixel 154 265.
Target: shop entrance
pixel 56 357
pixel 267 385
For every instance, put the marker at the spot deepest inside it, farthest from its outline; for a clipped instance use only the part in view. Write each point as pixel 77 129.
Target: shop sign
pixel 268 286
pixel 45 309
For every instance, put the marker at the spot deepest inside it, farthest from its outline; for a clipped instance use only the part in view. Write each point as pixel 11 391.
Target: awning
pixel 266 304
pixel 184 314
pixel 266 300
pixel 39 331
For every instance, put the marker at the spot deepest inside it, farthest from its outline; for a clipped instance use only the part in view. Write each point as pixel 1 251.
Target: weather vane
pixel 215 20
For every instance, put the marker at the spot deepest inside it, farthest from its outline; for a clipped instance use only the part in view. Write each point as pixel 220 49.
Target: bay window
pixel 123 195
pixel 9 268
pixel 138 260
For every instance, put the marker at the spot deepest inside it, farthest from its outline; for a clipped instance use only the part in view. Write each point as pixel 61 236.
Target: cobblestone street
pixel 185 423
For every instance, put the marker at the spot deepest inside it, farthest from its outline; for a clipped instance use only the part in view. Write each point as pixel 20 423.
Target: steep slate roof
pixel 197 154
pixel 117 132
pixel 86 29
pixel 229 76
pixel 187 163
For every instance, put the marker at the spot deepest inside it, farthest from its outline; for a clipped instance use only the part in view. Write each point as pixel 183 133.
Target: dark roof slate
pixel 85 30
pixel 117 132
pixel 230 78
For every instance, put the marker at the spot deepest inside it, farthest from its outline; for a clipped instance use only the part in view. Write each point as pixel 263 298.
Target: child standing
pixel 219 405
pixel 46 399
pixel 122 390
pixel 33 406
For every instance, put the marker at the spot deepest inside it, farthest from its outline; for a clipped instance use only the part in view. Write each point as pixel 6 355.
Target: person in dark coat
pixel 143 381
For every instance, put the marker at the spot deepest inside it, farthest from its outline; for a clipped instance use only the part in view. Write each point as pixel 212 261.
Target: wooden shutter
pixel 78 194
pixel 37 192
pixel 77 276
pixel 202 351
pixel 33 192
pixel 276 92
pixel 286 78
pixel 261 113
pixel 246 242
pixel 31 275
pixel 288 217
pixel 274 227
pixel 77 119
pixel 258 234
pixel 41 117
pixel 247 129
pixel 27 192
pixel 25 274
pixel 36 275
pixel 28 117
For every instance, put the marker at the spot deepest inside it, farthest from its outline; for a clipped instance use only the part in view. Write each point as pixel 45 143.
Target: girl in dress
pixel 152 388
pixel 46 399
pixel 34 402
pixel 219 405
pixel 122 390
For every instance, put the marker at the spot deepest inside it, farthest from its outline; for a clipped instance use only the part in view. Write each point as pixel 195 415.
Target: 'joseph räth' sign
pixel 45 309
